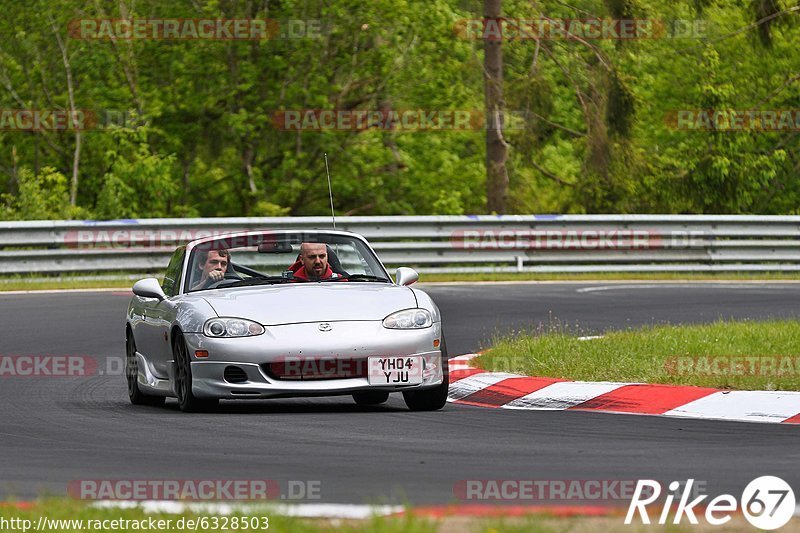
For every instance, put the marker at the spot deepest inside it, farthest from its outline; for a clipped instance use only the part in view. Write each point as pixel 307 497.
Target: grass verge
pixel 616 276
pixel 67 516
pixel 58 513
pixel 746 355
pixel 65 284
pixel 126 281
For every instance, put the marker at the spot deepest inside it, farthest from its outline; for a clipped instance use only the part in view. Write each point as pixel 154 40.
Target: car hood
pixel 311 302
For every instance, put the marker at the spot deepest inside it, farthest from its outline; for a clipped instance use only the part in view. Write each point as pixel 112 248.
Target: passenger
pixel 213 264
pixel 312 264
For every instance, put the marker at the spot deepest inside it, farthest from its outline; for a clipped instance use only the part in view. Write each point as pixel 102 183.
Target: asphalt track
pixel 57 429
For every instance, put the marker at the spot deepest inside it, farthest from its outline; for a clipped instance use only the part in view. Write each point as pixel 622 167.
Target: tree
pixel 496 145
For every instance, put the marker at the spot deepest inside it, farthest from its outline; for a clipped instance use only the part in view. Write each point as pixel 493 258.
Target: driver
pixel 312 264
pixel 212 264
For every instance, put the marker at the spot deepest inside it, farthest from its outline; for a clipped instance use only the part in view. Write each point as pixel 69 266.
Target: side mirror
pixel 149 288
pixel 406 276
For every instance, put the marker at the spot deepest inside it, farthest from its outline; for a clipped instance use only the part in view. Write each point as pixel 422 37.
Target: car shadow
pixel 298 406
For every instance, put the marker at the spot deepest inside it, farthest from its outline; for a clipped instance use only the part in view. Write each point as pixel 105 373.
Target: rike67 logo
pixel 767 502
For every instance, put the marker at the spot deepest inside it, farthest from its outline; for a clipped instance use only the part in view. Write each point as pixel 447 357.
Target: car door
pixel 148 315
pixel 161 314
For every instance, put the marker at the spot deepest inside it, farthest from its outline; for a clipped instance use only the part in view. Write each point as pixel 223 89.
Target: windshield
pixel 281 257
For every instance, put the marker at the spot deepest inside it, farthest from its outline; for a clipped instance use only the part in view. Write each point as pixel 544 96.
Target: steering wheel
pixel 230 277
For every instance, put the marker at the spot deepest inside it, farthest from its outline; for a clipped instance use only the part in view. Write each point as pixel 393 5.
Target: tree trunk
pixel 247 166
pixel 76 161
pixel 14 159
pixel 496 146
pixel 76 156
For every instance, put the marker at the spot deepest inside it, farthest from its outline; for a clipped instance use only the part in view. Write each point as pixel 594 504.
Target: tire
pixel 373 397
pixel 187 401
pixel 135 394
pixel 431 399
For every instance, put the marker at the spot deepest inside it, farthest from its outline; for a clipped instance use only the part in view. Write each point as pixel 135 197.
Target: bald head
pixel 314 256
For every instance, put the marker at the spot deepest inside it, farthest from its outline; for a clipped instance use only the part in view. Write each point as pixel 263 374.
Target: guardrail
pixel 512 243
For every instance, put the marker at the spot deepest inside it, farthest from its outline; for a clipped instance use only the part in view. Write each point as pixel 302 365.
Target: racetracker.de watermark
pixel 766 120
pixel 515 29
pixel 134 238
pixel 549 490
pixel 194 489
pixel 47 366
pixel 158 29
pixel 45 120
pixel 577 239
pixel 734 365
pixel 309 367
pixel 394 370
pixel 411 120
pixel 150 523
pixel 105 235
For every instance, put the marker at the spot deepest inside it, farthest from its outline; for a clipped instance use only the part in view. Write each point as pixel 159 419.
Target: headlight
pixel 409 319
pixel 231 327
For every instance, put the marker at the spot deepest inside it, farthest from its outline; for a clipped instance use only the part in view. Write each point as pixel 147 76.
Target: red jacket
pixel 300 271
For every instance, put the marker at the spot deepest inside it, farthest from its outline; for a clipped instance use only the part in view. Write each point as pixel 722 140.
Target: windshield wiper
pixel 365 277
pixel 265 280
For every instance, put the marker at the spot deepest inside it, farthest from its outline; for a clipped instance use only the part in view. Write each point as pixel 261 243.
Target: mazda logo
pixel 324 327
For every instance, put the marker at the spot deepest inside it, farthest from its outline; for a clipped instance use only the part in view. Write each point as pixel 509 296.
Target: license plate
pixel 395 370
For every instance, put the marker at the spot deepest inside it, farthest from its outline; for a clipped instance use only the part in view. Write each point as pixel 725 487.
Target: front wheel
pixel 370 397
pixel 187 401
pixel 135 394
pixel 430 399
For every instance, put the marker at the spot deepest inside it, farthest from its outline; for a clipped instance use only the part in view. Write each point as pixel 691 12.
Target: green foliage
pixel 139 183
pixel 187 127
pixel 448 203
pixel 42 196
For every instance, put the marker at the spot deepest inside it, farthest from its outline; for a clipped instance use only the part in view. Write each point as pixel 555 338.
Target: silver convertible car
pixel 272 314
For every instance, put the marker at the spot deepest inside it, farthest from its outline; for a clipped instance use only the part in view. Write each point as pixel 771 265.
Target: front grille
pixel 302 369
pixel 234 374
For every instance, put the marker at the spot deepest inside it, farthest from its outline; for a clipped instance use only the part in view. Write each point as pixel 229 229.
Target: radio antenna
pixel 330 191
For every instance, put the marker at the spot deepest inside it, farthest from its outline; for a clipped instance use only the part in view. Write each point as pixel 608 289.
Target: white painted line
pixel 590 337
pixel 755 284
pixel 300 510
pixel 563 395
pixel 335 510
pixel 749 406
pixel 65 291
pixel 472 384
pixel 611 281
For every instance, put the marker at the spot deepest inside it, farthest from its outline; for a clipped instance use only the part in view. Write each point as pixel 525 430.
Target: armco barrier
pixel 512 243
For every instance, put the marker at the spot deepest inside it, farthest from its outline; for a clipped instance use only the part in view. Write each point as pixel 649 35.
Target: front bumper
pixel 346 340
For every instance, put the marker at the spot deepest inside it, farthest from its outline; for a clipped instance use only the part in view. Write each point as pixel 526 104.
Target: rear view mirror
pixel 274 248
